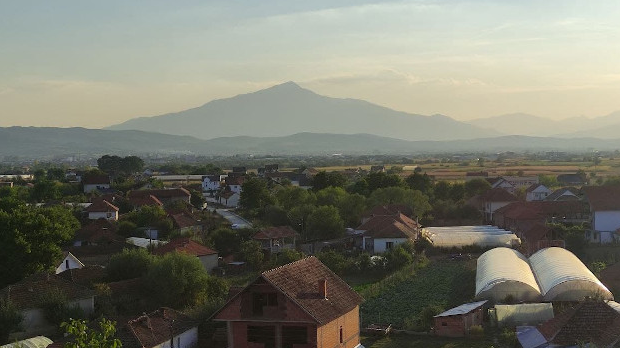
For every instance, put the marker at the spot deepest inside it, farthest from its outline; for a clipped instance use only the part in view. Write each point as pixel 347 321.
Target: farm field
pixel 406 341
pixel 444 283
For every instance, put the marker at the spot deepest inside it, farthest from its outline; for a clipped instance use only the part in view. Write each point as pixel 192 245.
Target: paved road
pixel 234 219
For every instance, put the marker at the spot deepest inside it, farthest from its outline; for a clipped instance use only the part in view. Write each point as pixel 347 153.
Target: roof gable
pixel 26 293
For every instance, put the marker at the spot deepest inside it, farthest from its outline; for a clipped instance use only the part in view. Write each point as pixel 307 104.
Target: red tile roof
pixel 276 232
pixel 390 209
pixel 390 226
pixel 536 233
pixel 603 198
pixel 85 276
pixel 184 245
pixel 26 294
pixel 498 195
pixel 183 220
pixel 140 201
pixel 155 328
pixel 588 322
pixel 161 194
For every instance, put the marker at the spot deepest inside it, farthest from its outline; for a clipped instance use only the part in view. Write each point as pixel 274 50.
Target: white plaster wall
pixel 209 262
pixel 188 339
pixel 380 243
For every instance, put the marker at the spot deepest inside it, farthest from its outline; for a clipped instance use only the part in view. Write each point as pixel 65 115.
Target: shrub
pixel 476 331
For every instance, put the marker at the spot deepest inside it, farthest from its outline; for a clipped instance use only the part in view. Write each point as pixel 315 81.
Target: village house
pixel 163 328
pixel 604 204
pixel 234 184
pixel 240 170
pixel 538 237
pixel 387 210
pixel 519 216
pixel 212 183
pixel 26 296
pixel 494 199
pixel 589 323
pixel 377 169
pixel 302 304
pixel 138 201
pixel 185 223
pixel 576 179
pixel 208 258
pixel 564 194
pixel 275 239
pixel 229 199
pixel 102 209
pixel 96 183
pixel 457 322
pixel 383 232
pixel 537 192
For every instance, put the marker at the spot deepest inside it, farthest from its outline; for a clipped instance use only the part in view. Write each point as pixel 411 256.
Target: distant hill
pixel 46 143
pixel 526 124
pixel 289 109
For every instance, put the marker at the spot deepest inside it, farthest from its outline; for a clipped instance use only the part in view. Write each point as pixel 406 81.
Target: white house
pixel 494 199
pixel 605 210
pixel 537 192
pixel 381 233
pixel 69 262
pixel 212 183
pixel 564 194
pixel 102 209
pixel 96 183
pixel 229 199
pixel 163 328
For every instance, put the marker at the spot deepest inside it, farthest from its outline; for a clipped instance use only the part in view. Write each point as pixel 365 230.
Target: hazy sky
pixel 97 63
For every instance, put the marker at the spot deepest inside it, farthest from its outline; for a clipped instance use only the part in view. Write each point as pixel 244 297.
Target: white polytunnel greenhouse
pixel 34 342
pixel 563 277
pixel 503 272
pixel 460 236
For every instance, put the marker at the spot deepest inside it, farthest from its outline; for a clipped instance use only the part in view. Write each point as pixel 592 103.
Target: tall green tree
pixel 178 280
pixel 325 223
pixel 420 182
pixel 351 208
pixel 130 263
pixel 398 195
pixel 476 186
pixel 255 195
pixel 31 238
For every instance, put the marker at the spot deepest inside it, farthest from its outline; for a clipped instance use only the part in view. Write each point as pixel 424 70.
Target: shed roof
pixel 462 309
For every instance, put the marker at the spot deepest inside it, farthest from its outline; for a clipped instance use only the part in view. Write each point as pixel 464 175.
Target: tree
pixel 457 191
pixel 252 253
pixel 442 190
pixel 10 320
pixel 225 241
pixel 420 182
pixel 80 335
pixel 330 196
pixel 476 186
pixel 324 180
pixel 254 194
pixel 116 165
pixel 398 195
pixel 548 180
pixel 178 280
pixel 130 263
pixel 351 208
pixel 379 180
pixel 31 238
pixel 287 256
pixel 290 197
pixel 325 223
pixel 397 258
pixel 45 190
pixel 196 199
pixel 276 216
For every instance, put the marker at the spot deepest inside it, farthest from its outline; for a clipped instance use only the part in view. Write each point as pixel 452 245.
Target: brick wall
pixel 328 336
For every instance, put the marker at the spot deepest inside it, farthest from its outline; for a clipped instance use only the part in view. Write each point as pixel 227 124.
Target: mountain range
pixel 287 109
pixel 46 143
pixel 604 127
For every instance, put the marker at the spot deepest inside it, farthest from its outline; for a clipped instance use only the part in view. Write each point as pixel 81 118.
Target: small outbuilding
pixel 457 322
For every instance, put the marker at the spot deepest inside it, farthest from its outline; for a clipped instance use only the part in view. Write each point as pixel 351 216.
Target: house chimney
pixel 323 288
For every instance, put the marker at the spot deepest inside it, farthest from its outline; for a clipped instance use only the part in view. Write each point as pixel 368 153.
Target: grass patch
pixel 406 341
pixel 405 293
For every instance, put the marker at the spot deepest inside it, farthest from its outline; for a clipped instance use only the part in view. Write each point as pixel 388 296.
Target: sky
pixel 97 63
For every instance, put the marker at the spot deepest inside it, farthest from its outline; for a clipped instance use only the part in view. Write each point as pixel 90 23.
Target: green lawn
pixel 406 341
pixel 443 283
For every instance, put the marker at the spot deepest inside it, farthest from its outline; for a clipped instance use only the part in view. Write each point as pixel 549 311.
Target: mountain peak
pixel 290 85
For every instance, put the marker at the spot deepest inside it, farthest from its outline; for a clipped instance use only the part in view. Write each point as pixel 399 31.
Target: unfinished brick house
pixel 299 305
